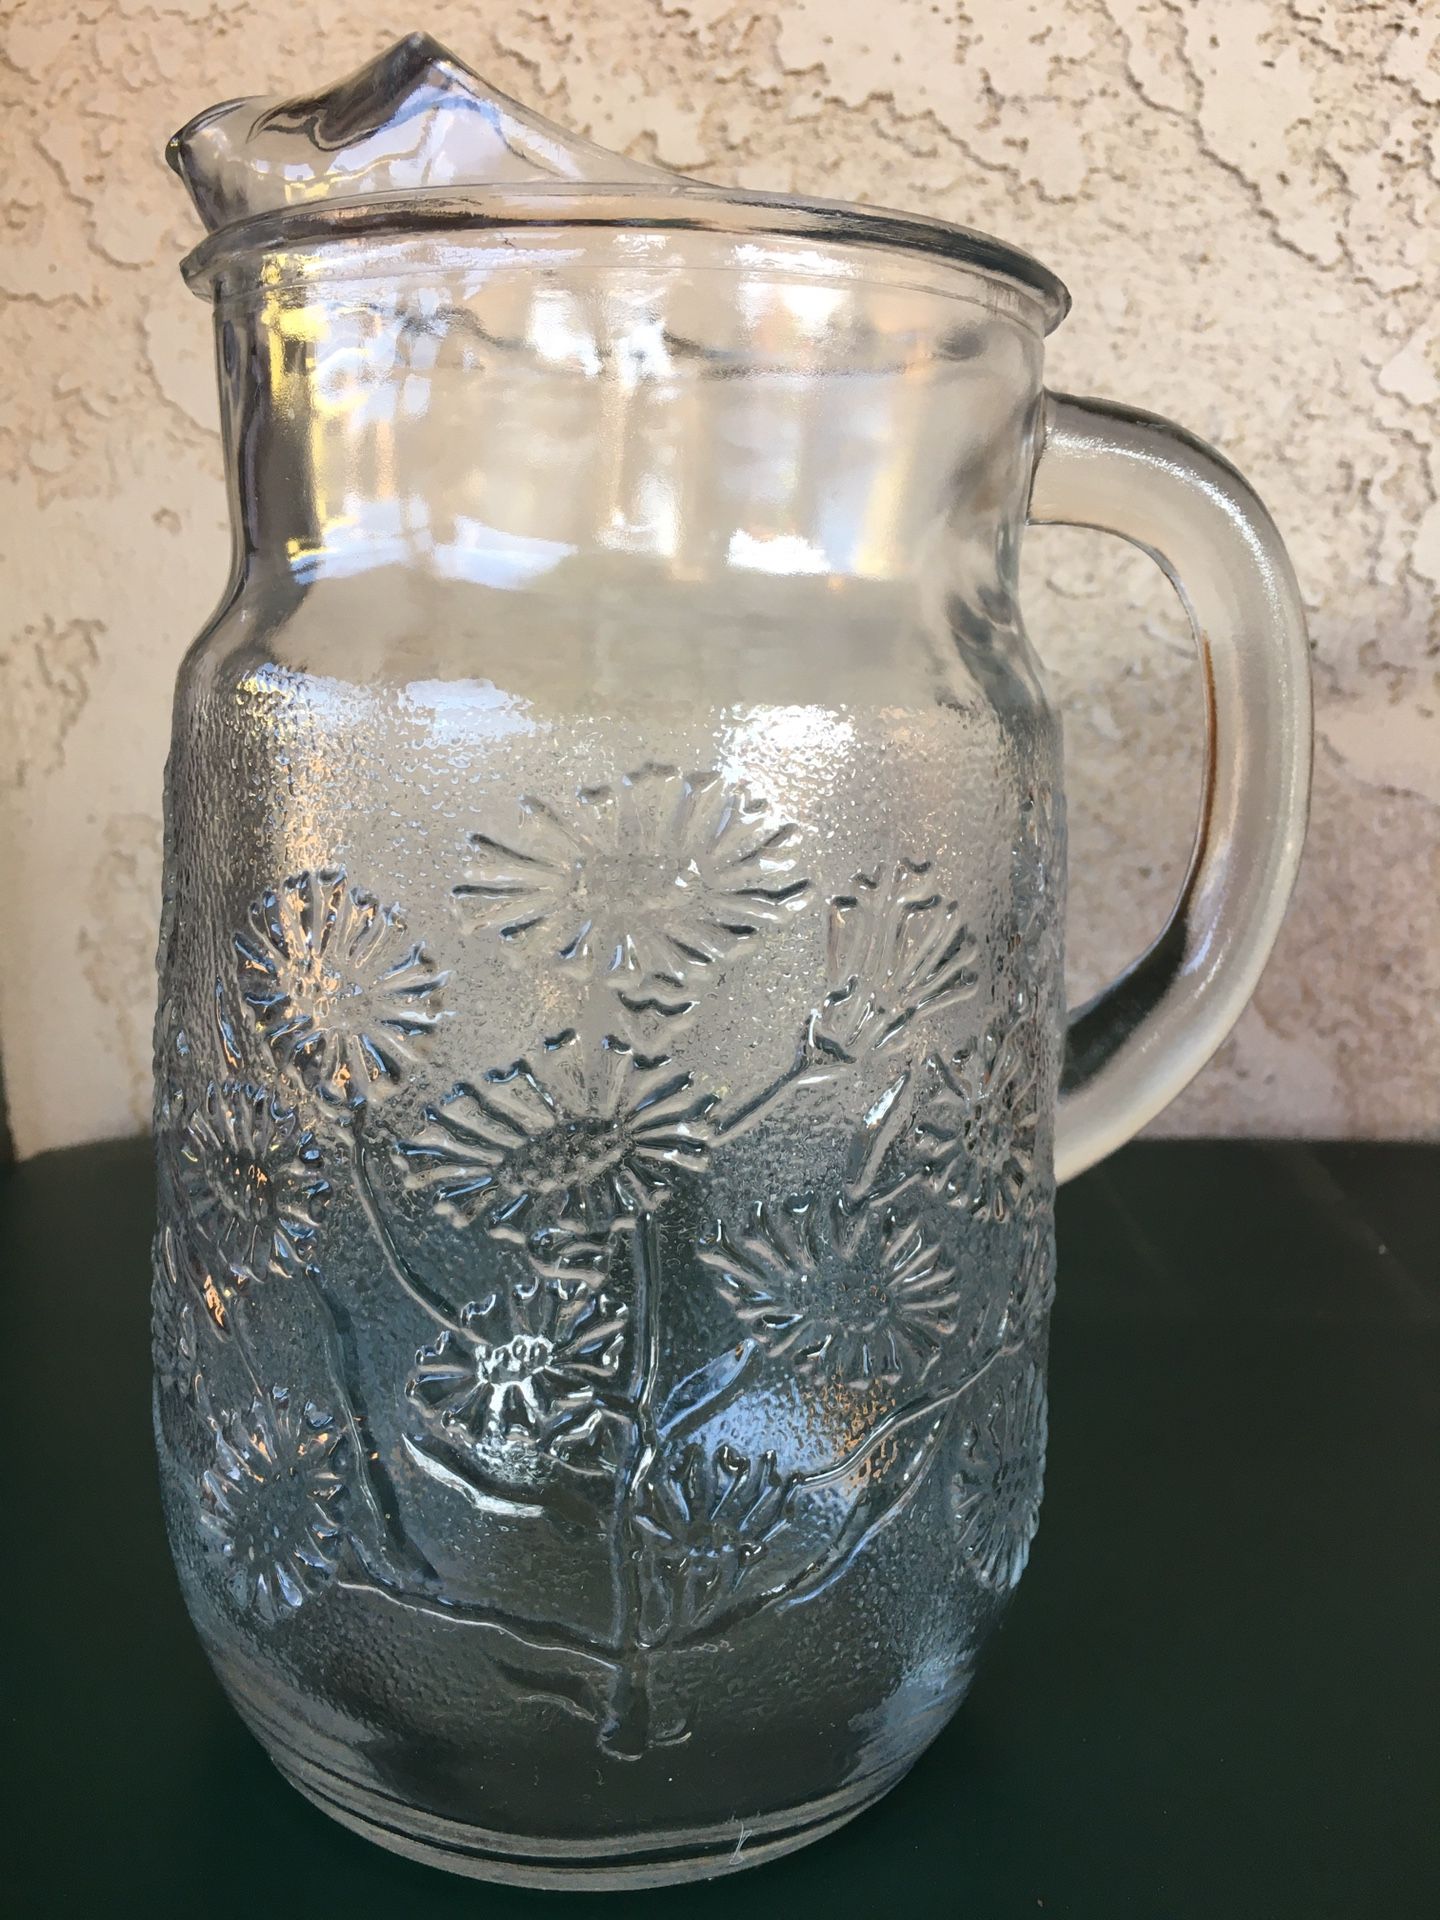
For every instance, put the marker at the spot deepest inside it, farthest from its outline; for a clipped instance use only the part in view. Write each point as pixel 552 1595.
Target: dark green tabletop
pixel 1215 1694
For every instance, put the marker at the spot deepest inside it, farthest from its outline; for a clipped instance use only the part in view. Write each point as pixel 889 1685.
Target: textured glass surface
pixel 608 1043
pixel 610 1020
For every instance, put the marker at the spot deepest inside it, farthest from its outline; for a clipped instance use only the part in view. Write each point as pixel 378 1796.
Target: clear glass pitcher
pixel 612 1068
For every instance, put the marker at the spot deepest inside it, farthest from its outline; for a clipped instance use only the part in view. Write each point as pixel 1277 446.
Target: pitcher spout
pixel 415 116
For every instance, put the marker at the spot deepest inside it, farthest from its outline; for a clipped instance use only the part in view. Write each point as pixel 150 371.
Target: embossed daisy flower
pixel 867 1298
pixel 706 1517
pixel 995 1495
pixel 270 1503
pixel 571 1141
pixel 897 949
pixel 174 1346
pixel 337 987
pixel 977 1131
pixel 531 1362
pixel 657 876
pixel 250 1186
pixel 1031 1293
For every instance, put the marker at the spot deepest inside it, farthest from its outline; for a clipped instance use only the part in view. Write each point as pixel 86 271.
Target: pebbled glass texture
pixel 609 1034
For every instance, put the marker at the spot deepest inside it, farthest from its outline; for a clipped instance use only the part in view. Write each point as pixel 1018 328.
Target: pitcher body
pixel 611 1020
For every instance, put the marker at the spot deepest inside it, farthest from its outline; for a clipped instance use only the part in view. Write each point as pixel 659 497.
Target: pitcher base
pixel 653 1859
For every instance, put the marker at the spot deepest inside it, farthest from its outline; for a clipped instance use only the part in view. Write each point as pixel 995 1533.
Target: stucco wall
pixel 1244 196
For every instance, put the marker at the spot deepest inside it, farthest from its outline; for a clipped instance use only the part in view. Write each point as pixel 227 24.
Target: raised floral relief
pixel 977 1131
pixel 1031 1292
pixel 897 949
pixel 995 1496
pixel 657 876
pixel 529 1364
pixel 271 1503
pixel 552 1399
pixel 174 1343
pixel 252 1184
pixel 337 987
pixel 705 1517
pixel 865 1295
pixel 567 1142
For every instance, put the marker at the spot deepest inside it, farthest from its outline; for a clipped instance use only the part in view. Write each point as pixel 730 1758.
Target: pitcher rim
pixel 639 206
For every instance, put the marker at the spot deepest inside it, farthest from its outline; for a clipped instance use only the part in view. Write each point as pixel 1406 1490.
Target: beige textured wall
pixel 1244 196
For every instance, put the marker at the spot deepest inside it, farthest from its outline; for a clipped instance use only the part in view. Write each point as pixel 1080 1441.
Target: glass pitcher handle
pixel 1132 1048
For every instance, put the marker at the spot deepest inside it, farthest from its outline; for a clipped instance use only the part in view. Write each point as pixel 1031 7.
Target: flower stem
pixel 399 1270
pixel 758 1104
pixel 377 1489
pixel 625 1734
pixel 536 1636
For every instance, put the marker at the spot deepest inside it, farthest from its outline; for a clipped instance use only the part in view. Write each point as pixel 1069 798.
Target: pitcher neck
pixel 492 428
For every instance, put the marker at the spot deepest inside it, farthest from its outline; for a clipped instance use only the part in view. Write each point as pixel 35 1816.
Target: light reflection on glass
pixel 463 712
pixel 776 553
